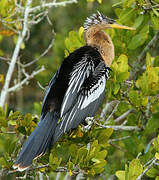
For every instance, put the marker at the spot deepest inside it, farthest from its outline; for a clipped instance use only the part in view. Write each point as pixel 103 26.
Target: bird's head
pixel 100 21
pixel 95 37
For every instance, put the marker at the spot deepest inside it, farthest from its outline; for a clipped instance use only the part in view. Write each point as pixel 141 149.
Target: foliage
pixel 133 83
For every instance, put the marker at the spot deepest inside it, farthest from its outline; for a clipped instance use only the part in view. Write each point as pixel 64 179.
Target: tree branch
pixel 43 54
pixel 4 58
pixel 114 110
pixel 120 118
pixel 119 139
pixel 28 77
pixel 148 167
pixel 148 47
pixel 21 37
pixel 51 4
pixel 108 109
pixel 120 127
pixel 137 67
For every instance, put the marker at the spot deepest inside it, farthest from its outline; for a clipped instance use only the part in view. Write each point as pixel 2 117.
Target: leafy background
pixel 133 87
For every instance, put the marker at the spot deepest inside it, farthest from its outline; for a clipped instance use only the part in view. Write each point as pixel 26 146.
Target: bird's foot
pixel 89 121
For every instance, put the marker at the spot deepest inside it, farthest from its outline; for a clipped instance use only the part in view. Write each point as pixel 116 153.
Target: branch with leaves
pixel 148 167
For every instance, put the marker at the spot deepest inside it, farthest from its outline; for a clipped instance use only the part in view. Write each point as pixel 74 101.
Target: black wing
pixel 46 97
pixel 87 97
pixel 81 71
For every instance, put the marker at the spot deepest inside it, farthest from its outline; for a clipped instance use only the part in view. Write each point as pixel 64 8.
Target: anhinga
pixel 76 90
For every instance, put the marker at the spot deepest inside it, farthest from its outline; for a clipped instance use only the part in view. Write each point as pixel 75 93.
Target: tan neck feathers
pixel 96 38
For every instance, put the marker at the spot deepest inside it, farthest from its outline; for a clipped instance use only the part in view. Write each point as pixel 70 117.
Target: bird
pixel 76 90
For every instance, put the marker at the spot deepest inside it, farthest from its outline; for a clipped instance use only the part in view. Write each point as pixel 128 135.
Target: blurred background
pixel 133 86
pixel 63 19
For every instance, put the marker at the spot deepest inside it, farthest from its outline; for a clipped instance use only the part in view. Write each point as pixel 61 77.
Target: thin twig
pixel 123 116
pixel 52 4
pixel 119 139
pixel 148 167
pixel 8 132
pixel 137 67
pixel 43 88
pixel 125 128
pixel 28 77
pixel 114 110
pixel 147 113
pixel 148 162
pixel 108 108
pixel 39 167
pixel 4 58
pixel 149 45
pixel 43 54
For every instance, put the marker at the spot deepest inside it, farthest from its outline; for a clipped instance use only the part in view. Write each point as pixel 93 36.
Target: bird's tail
pixel 38 141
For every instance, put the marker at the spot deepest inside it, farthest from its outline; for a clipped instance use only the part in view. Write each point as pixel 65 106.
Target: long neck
pixel 99 39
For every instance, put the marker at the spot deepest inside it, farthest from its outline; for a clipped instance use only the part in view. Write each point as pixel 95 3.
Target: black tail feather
pixel 38 141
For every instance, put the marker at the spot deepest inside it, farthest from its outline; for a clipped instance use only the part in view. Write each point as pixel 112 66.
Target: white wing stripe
pixel 80 71
pixel 95 92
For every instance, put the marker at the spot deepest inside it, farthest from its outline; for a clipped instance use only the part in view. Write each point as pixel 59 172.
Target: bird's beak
pixel 118 26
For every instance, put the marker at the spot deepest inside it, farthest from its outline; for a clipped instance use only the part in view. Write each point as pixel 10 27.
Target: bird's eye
pixel 102 52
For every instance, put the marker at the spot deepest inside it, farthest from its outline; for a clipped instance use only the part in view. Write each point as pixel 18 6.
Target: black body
pixel 75 92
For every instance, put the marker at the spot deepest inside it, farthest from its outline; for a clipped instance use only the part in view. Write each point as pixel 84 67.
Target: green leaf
pixel 12 122
pixel 122 63
pixel 156 61
pixel 101 155
pixel 149 81
pixel 73 150
pixel 135 42
pixel 134 97
pixel 3 162
pixel 116 88
pixel 70 165
pixel 22 46
pixel 157 155
pixel 155 21
pixel 152 124
pixel 135 169
pixel 148 59
pixel 126 15
pixel 120 175
pixel 122 76
pixel 54 162
pixel 99 164
pixel 138 21
pixel 80 32
pixel 100 1
pixel 95 160
pixel 153 172
pixel 37 108
pixel 157 178
pixel 155 12
pixel 81 154
pixel 1 79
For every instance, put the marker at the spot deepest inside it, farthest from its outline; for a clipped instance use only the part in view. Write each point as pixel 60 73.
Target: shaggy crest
pixel 97 19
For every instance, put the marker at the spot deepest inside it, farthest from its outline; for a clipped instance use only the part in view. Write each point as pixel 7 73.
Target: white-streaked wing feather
pixel 94 92
pixel 80 73
pixel 83 96
pixel 83 102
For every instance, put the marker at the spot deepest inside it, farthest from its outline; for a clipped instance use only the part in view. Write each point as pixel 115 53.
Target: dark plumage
pixel 61 103
pixel 75 92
